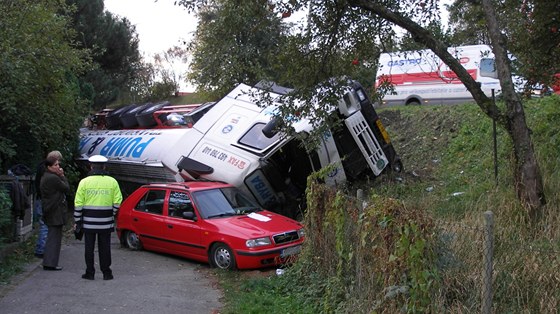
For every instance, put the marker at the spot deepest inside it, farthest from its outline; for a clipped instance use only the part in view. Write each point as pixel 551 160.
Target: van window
pixel 488 68
pixel 255 138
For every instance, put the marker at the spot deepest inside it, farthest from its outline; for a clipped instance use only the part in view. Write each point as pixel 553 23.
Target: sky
pixel 161 25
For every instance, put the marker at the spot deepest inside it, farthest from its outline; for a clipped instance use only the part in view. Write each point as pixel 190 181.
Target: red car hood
pixel 256 224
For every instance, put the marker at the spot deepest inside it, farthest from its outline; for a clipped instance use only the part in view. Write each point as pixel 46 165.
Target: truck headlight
pixel 301 233
pixel 258 242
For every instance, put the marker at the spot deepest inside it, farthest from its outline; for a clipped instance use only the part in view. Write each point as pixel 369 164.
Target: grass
pixel 13 263
pixel 447 153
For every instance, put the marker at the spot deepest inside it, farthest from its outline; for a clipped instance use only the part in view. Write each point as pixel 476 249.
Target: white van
pixel 420 77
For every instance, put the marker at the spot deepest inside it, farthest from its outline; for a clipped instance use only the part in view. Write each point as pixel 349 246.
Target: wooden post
pixel 360 197
pixel 487 267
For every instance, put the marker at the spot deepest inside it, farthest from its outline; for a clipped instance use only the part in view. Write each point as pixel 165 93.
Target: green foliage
pixel 420 250
pixel 266 296
pixel 364 255
pixel 6 217
pixel 467 23
pixel 40 103
pixel 13 263
pixel 113 43
pixel 234 43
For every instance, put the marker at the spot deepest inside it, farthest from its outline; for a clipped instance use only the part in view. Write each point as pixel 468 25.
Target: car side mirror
pixel 190 216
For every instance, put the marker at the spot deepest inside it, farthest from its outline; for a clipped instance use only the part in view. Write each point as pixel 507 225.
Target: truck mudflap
pixel 367 142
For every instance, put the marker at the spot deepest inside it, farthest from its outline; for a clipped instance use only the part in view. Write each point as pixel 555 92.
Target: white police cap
pixel 98 158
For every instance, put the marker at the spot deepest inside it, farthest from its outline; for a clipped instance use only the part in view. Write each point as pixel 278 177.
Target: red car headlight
pixel 258 242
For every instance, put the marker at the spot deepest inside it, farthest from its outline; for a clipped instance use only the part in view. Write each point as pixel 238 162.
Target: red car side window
pixel 179 203
pixel 152 202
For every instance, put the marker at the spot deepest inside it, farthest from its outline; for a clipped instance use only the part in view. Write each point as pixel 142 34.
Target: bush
pixel 6 221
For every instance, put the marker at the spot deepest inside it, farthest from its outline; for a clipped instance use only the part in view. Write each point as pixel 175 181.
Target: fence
pixel 23 225
pixel 489 270
pixel 485 269
pixel 399 260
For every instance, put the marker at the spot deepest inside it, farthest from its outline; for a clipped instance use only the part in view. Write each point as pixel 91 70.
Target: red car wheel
pixel 132 240
pixel 221 256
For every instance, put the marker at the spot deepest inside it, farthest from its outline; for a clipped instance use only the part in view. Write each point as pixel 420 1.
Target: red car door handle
pixel 170 226
pixel 135 219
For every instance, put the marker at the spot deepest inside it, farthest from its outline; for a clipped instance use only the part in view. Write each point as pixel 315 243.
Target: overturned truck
pixel 230 140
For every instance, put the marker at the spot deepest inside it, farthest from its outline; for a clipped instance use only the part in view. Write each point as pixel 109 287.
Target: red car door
pixel 183 229
pixel 148 221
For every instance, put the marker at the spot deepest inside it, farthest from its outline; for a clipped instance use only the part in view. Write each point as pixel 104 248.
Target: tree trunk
pixel 528 180
pixel 527 176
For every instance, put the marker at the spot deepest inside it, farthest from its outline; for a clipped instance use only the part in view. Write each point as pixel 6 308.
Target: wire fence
pixel 395 259
pixel 486 270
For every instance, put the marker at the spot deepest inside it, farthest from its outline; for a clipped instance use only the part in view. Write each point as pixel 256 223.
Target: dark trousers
pixel 52 246
pixel 104 247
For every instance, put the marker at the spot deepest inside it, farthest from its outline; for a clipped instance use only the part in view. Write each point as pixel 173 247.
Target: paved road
pixel 144 282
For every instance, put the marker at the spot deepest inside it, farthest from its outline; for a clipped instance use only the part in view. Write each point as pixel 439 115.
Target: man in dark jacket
pixel 54 187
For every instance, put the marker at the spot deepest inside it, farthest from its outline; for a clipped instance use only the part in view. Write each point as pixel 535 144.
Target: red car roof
pixel 190 185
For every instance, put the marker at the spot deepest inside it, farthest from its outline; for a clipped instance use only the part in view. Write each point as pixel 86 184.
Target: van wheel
pixel 413 102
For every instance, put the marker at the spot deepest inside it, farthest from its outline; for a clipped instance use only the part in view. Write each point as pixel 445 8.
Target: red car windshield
pixel 223 202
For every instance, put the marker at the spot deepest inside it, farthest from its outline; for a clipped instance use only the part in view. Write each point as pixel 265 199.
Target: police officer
pixel 97 201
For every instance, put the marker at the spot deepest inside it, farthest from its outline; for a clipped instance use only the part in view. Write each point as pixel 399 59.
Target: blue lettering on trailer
pixel 83 142
pixel 125 147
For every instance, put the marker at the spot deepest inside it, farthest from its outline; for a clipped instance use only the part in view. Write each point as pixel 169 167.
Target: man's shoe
pixel 52 268
pixel 108 277
pixel 39 255
pixel 88 276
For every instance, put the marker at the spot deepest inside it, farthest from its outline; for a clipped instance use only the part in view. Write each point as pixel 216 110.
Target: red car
pixel 208 222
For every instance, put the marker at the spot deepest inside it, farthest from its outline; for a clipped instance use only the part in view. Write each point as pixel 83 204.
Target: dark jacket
pixel 53 195
pixel 41 168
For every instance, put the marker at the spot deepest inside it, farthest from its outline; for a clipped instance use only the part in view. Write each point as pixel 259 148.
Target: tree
pixel 113 43
pixel 531 27
pixel 168 65
pixel 233 44
pixel 40 104
pixel 335 27
pixel 157 80
pixel 467 23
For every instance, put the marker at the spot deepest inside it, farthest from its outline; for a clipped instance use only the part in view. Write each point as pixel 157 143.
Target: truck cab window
pixel 254 138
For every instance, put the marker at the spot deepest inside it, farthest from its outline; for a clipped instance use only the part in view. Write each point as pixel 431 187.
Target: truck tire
pixel 145 117
pixel 113 118
pixel 128 118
